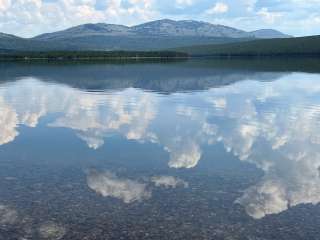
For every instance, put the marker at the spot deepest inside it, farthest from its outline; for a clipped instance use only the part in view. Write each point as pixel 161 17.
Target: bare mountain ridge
pixel 155 35
pixel 269 33
pixel 164 28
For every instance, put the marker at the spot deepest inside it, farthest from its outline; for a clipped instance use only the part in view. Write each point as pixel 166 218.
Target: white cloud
pixel 268 16
pixel 109 185
pixel 250 5
pixel 32 17
pixel 4 5
pixel 218 8
pixel 183 3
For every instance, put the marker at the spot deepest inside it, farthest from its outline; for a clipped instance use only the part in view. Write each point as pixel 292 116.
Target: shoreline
pixel 156 58
pixel 91 55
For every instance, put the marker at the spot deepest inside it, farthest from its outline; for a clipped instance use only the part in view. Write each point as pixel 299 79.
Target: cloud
pixel 183 3
pixel 37 16
pixel 218 8
pixel 31 17
pixel 4 5
pixel 269 17
pixel 250 5
pixel 168 182
pixel 108 184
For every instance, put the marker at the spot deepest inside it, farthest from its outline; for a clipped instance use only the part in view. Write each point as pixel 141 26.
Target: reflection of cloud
pixel 8 123
pixel 93 117
pixel 219 103
pixel 266 198
pixel 109 185
pixel 129 114
pixel 274 126
pixel 278 136
pixel 169 182
pixel 289 180
pixel 7 215
pixel 31 119
pixel 52 231
pixel 93 139
pixel 186 155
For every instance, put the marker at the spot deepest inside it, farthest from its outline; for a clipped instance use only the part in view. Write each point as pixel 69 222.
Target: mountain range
pixel 155 35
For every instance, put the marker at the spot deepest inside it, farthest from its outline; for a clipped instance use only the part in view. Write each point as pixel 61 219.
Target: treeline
pixel 91 55
pixel 289 47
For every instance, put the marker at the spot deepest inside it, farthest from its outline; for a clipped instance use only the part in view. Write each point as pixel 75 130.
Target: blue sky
pixel 32 17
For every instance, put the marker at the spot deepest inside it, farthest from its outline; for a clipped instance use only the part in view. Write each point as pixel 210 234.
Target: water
pixel 224 149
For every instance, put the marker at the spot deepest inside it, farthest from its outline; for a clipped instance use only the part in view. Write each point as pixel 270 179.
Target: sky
pixel 28 18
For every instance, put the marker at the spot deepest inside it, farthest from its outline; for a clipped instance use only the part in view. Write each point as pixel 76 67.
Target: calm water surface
pixel 188 150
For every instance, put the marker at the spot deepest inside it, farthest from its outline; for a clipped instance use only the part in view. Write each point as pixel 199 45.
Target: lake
pixel 198 149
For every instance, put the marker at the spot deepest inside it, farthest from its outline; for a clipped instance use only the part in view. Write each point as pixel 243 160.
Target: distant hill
pixel 155 35
pixel 159 28
pixel 302 46
pixel 269 33
pixel 7 36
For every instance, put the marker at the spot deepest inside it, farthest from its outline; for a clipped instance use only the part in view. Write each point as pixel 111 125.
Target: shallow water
pixel 220 149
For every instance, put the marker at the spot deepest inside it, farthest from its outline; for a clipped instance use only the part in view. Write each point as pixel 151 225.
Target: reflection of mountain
pixel 273 125
pixel 167 78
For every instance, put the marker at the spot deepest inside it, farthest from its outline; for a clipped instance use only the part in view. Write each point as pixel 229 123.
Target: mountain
pixel 155 35
pixel 7 36
pixel 188 28
pixel 10 43
pixel 99 29
pixel 269 33
pixel 301 46
pixel 159 28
